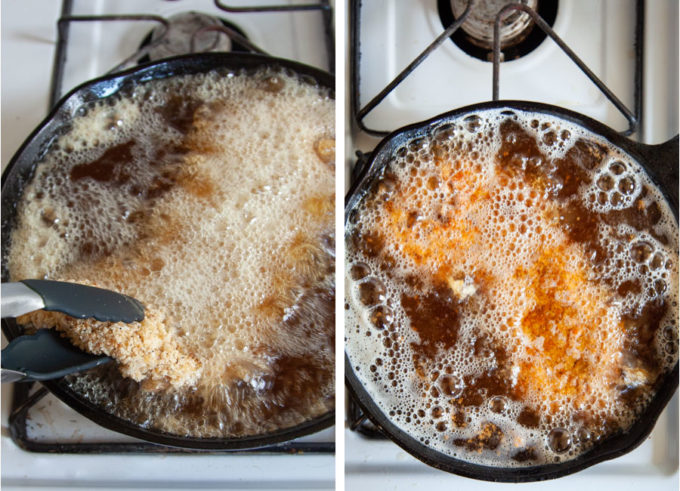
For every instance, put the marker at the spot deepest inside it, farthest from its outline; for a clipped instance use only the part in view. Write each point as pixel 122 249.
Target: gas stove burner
pixel 184 27
pixel 480 24
pixel 518 35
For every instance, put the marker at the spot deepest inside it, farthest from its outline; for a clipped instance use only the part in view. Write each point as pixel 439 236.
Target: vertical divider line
pixel 342 112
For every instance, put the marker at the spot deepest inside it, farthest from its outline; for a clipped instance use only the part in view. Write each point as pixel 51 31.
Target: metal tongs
pixel 46 355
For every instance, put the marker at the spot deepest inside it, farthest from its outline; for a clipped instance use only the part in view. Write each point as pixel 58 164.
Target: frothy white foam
pixel 211 197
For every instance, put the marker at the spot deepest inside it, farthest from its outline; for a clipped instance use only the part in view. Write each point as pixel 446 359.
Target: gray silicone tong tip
pixel 45 355
pixel 83 301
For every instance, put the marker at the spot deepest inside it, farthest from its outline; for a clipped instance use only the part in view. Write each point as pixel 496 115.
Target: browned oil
pixel 205 196
pixel 516 258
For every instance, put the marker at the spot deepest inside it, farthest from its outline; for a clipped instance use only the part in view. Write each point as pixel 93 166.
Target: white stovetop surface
pixel 28 43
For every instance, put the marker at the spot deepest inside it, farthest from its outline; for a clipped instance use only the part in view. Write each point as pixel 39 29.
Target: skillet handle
pixel 662 159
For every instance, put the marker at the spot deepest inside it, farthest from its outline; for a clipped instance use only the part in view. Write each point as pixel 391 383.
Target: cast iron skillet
pixel 19 172
pixel 660 162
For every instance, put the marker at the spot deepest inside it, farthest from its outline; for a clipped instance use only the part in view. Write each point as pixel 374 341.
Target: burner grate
pixel 23 400
pixel 359 113
pixel 358 421
pixel 163 24
pixel 633 120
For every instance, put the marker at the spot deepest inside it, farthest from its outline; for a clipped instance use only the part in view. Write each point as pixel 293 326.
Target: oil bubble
pixel 497 404
pixel 559 440
pixel 627 185
pixel 641 251
pixel 380 317
pixel 472 123
pixel 605 182
pixel 617 168
pixel 371 292
pixel 359 271
pixel 450 385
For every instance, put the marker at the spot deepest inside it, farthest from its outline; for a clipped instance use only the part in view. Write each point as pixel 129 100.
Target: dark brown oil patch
pixel 641 331
pixel 529 418
pixel 436 320
pixel 111 167
pixel 526 455
pixel 178 112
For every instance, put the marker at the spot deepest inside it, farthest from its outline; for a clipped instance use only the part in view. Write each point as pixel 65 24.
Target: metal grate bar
pixel 273 8
pixel 324 6
pixel 359 422
pixel 632 120
pixel 639 63
pixel 63 28
pixel 60 56
pixel 361 114
pixel 22 402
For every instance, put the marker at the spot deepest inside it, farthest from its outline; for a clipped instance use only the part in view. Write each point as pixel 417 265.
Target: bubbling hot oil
pixel 211 198
pixel 512 289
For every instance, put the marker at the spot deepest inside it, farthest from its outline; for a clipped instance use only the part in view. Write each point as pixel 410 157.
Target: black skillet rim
pixel 612 447
pixel 42 136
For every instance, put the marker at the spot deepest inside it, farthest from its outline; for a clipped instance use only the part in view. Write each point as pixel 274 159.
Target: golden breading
pixel 146 351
